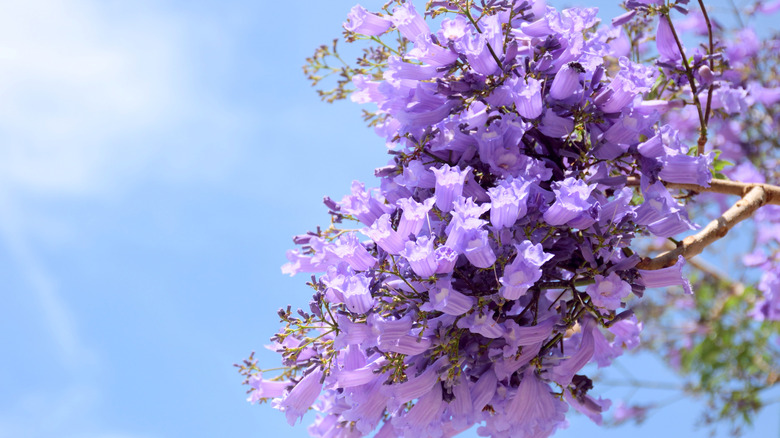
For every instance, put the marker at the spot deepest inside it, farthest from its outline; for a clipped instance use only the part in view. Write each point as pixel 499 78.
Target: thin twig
pixel 695 244
pixel 692 81
pixel 708 110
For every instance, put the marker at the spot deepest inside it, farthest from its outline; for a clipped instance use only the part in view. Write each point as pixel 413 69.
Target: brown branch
pixel 695 244
pixel 723 186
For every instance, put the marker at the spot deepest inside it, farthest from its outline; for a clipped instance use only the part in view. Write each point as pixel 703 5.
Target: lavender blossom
pixel 414 216
pixel 350 250
pixel 529 99
pixel 421 257
pixel 409 22
pixel 665 42
pixel 449 185
pixel 671 276
pixel 566 82
pixel 533 407
pixel 609 291
pixel 477 249
pixel 296 402
pixel 524 271
pixel 363 22
pixel 571 199
pixel 508 202
pixel 384 235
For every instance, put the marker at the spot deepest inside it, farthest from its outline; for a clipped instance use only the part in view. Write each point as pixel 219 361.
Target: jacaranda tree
pixel 543 169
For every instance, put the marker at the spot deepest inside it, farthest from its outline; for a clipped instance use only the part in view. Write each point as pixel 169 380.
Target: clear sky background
pixel 155 159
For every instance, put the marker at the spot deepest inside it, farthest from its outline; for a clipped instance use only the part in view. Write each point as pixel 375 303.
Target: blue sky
pixel 157 156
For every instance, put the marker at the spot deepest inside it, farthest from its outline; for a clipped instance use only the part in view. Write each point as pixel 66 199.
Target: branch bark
pixel 723 186
pixel 693 245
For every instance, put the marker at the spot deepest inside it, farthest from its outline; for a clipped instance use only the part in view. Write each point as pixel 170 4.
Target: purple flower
pixel 482 324
pixel 447 300
pixel 678 166
pixel 266 388
pixel 298 401
pixel 665 277
pixel 368 405
pixel 414 216
pixel 397 69
pixel 449 185
pixel 554 125
pixel 424 418
pixel 428 52
pixel 608 291
pixel 461 407
pixel 566 82
pixel 632 80
pixel 350 250
pixel 603 351
pixel 409 22
pixel 421 256
pixel 567 368
pixel 482 392
pixel 453 29
pixel 588 405
pixel 506 366
pixel 384 235
pixel 623 18
pixel 396 336
pixel 465 219
pixel 416 386
pixel 614 211
pixel 665 42
pixel 446 258
pixel 571 199
pixel 355 370
pixel 663 216
pixel 416 174
pixel 352 333
pixel 362 205
pixel 363 22
pixel 533 409
pixel 529 99
pixel 626 333
pixel 366 90
pixel 477 249
pixel 357 295
pixel 517 335
pixel 524 271
pixel 768 305
pixel 478 54
pixel 508 202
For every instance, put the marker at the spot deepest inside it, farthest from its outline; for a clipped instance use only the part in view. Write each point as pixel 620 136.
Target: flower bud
pixel 707 76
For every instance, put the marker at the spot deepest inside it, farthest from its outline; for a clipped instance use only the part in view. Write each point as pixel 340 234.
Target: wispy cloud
pixel 72 351
pixel 91 100
pixel 90 95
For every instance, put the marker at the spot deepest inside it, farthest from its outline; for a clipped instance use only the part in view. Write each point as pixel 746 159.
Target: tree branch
pixel 737 188
pixel 695 244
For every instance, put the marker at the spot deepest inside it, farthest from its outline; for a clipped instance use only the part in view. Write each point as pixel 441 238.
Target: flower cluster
pixel 495 259
pixel 739 91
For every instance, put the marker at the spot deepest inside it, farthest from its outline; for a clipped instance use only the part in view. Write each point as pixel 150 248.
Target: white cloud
pixel 91 100
pixel 85 91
